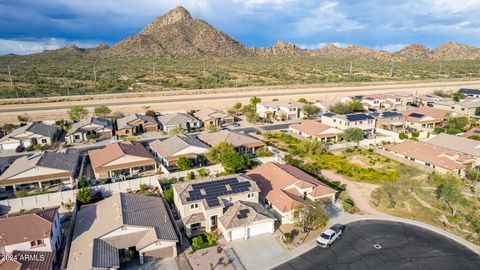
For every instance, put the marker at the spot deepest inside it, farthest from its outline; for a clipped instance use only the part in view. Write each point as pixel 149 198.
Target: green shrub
pixel 143 187
pixel 82 183
pixel 202 172
pixel 191 176
pixel 168 195
pixel 84 195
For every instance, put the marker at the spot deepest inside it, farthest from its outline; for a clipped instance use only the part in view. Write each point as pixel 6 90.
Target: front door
pixel 213 222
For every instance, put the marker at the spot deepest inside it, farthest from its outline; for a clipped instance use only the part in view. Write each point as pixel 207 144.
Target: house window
pixel 77 137
pixel 194 206
pixel 251 195
pixel 44 140
pixel 36 243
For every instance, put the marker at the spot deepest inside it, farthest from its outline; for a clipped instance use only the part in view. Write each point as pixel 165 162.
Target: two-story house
pixel 389 120
pixel 280 109
pixel 31 231
pixel 229 204
pixel 425 118
pixel 285 189
pixel 377 101
pixel 362 121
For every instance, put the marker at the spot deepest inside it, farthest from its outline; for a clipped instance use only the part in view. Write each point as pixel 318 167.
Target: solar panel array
pixel 391 114
pixel 210 191
pixel 416 115
pixel 243 213
pixel 358 117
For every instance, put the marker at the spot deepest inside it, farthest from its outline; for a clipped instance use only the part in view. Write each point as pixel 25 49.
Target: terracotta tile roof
pixel 25 227
pixel 209 113
pixel 233 138
pixel 438 114
pixel 111 152
pixel 242 213
pixel 433 154
pixel 276 183
pixel 174 144
pixel 43 261
pixel 314 128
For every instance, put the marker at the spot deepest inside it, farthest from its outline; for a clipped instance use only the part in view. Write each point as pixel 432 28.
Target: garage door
pixel 8 146
pixel 159 253
pixel 235 234
pixel 261 228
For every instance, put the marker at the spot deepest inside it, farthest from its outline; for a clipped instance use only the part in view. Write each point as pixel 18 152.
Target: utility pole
pixel 440 69
pixel 11 79
pixel 95 71
pixel 278 71
pixel 391 71
pixel 351 66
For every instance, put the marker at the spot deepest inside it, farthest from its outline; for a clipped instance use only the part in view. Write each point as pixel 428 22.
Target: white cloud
pixel 39 45
pixel 325 17
pixel 321 45
pixel 390 47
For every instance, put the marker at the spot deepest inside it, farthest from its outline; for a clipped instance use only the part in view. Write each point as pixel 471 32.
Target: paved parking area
pixel 167 263
pixel 258 250
pixel 397 246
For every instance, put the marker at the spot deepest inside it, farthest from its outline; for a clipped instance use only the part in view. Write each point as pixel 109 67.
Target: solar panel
pixel 358 117
pixel 210 191
pixel 243 213
pixel 390 114
pixel 416 115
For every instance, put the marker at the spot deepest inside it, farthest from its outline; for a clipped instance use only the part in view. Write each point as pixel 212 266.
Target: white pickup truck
pixel 330 235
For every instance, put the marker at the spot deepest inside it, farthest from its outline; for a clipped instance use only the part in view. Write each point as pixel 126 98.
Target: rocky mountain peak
pixel 175 15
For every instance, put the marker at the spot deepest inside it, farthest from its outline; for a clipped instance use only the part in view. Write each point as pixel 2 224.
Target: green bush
pixel 204 241
pixel 202 172
pixel 168 195
pixel 84 195
pixel 402 136
pixel 143 187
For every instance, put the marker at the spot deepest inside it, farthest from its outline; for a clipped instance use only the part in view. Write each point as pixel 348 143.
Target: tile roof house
pixel 91 126
pixel 243 143
pixel 284 188
pixel 469 134
pixel 31 231
pixel 124 221
pixel 184 121
pixel 244 219
pixel 169 151
pixel 28 260
pixel 425 118
pixel 377 101
pixel 279 109
pixel 45 169
pixel 136 123
pixel 439 158
pixel 31 134
pixel 457 143
pixel 202 206
pixel 362 121
pixel 214 117
pixel 470 92
pixel 125 159
pixel 316 130
pixel 390 120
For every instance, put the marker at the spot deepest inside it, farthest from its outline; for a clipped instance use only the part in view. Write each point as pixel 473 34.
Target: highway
pixel 221 99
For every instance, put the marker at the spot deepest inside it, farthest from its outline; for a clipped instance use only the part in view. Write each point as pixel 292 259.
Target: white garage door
pixel 8 146
pixel 258 229
pixel 235 234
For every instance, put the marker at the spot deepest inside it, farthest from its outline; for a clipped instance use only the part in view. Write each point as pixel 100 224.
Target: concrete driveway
pixel 257 251
pixel 167 263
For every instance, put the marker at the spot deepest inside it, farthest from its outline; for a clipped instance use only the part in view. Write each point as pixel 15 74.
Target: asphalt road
pixel 402 246
pixel 200 98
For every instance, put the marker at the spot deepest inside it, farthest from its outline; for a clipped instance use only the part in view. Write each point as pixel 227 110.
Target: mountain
pixel 414 52
pixel 177 34
pixel 280 49
pixel 455 51
pixel 351 52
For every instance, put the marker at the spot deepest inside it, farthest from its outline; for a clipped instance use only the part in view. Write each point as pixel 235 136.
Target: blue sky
pixel 28 26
